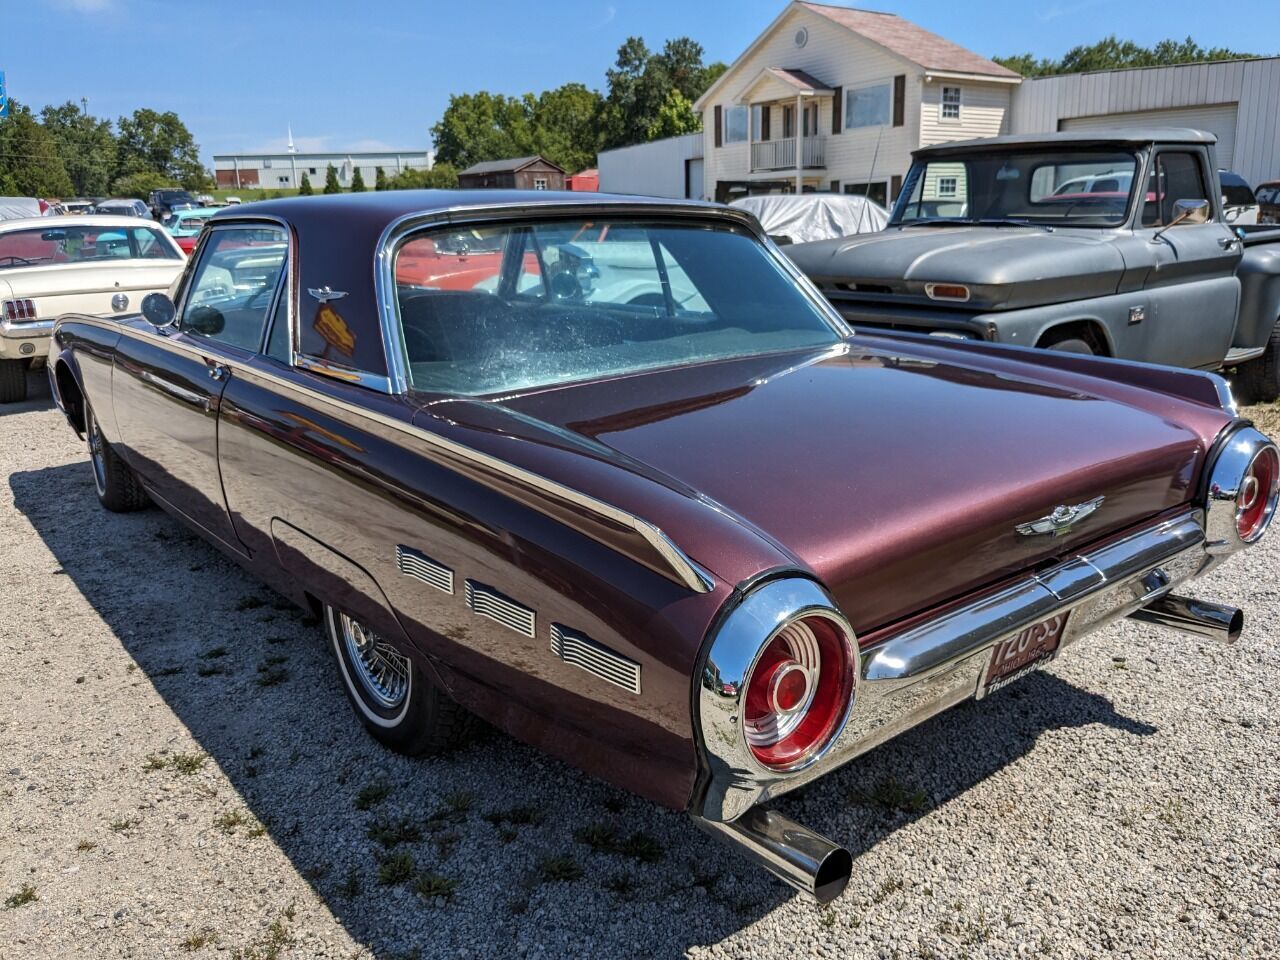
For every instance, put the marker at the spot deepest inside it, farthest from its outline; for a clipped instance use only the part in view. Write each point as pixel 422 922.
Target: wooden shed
pixel 517 173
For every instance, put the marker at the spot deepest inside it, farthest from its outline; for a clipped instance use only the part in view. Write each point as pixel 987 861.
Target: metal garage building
pixel 1239 100
pixel 661 168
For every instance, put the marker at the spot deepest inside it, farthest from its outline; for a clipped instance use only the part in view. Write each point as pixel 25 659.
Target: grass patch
pixel 271 674
pixel 124 823
pixel 891 796
pixel 621 885
pixel 210 669
pixel 155 762
pixel 559 869
pixel 24 896
pixel 432 886
pixel 229 821
pixel 459 803
pixel 396 868
pixel 372 794
pixel 188 763
pixel 604 838
pixel 213 653
pixel 392 833
pixel 271 946
pixel 84 846
pixel 169 671
pixel 516 817
pixel 350 887
pixel 198 941
pixel 885 889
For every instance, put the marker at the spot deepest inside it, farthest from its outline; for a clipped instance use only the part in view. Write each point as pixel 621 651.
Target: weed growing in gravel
pixel 210 669
pixel 395 868
pixel 213 653
pixel 516 816
pixel 188 763
pixel 459 803
pixel 350 886
pixel 621 885
pixel 640 846
pixel 271 673
pixel 603 838
pixel 169 671
pixel 250 602
pixel 155 762
pixel 84 846
pixel 888 886
pixel 392 833
pixel 891 796
pixel 229 820
pixel 559 869
pixel 372 794
pixel 600 837
pixel 198 941
pixel 431 886
pixel 255 753
pixel 827 918
pixel 277 939
pixel 24 896
pixel 124 823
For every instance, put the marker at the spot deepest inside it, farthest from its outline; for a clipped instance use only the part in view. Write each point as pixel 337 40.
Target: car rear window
pixel 500 308
pixel 49 245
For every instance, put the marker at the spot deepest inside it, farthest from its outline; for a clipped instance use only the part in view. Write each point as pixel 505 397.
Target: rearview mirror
pixel 158 309
pixel 53 236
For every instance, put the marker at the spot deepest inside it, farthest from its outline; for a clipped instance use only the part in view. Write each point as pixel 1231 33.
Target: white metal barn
pixel 662 168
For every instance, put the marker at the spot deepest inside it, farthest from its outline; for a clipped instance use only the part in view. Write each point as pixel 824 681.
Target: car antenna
pixel 870 179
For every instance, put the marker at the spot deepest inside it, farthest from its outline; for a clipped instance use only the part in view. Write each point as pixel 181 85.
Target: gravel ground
pixel 182 776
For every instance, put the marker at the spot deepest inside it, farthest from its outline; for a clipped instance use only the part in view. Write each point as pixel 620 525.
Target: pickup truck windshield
pixel 494 309
pixel 1085 188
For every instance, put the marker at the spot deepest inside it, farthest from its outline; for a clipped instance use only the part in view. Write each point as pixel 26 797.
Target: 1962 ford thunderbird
pixel 634 493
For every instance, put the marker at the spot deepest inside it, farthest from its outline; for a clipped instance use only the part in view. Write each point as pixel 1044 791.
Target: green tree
pixel 140 185
pixel 304 186
pixel 379 179
pixel 86 145
pixel 565 128
pixel 357 181
pixel 1112 53
pixel 29 162
pixel 443 176
pixel 154 142
pixel 639 105
pixel 484 126
pixel 331 184
pixel 675 116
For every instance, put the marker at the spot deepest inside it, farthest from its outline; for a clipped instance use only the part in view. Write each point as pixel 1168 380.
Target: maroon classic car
pixel 639 497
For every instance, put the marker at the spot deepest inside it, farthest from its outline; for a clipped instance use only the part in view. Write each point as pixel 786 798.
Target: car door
pixel 1193 293
pixel 169 384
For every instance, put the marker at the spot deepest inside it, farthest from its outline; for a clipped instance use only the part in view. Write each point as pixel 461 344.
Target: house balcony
pixel 781 154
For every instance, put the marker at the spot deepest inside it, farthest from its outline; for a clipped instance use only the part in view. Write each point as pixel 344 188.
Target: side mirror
pixel 159 309
pixel 1190 211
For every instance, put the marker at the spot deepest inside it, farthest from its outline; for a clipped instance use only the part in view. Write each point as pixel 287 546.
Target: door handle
pixel 218 371
pixel 1226 243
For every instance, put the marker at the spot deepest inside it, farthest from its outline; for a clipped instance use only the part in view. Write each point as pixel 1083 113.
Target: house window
pixel 311 170
pixel 868 106
pixel 282 179
pixel 540 183
pixel 950 103
pixel 757 122
pixel 735 125
pixel 266 164
pixel 877 192
pixel 947 186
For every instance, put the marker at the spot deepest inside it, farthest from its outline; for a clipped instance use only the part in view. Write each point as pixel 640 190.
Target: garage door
pixel 1219 119
pixel 693 187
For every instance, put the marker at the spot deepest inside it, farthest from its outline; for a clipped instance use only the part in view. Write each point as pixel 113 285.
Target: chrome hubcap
pixel 381 671
pixel 95 452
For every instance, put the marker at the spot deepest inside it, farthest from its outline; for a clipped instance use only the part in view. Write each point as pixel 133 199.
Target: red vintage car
pixel 651 506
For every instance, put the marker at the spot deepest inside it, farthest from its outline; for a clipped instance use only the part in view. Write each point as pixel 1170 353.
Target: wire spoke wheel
pixel 381 672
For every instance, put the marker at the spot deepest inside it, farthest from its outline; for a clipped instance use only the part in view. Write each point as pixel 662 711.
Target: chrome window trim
pixel 399 230
pixel 679 567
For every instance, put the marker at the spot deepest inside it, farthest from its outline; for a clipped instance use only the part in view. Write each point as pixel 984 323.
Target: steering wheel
pixel 13 261
pixel 565 286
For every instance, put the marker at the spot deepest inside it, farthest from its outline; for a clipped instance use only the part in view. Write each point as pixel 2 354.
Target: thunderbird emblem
pixel 325 294
pixel 1061 520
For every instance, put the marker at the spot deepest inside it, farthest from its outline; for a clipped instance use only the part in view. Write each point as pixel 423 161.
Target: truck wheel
pixel 118 487
pixel 394 699
pixel 1258 380
pixel 1065 343
pixel 13 381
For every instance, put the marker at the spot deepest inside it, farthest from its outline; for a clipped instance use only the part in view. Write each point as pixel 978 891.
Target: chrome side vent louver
pixel 488 602
pixel 413 563
pixel 579 650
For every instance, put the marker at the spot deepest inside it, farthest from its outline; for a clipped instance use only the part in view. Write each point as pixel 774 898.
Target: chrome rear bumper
pixel 931 667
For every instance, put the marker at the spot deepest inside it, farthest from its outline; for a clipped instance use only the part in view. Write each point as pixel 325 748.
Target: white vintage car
pixel 72 264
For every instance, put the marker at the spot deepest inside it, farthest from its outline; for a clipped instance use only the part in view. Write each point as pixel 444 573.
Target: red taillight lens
pixel 798 693
pixel 18 309
pixel 1256 502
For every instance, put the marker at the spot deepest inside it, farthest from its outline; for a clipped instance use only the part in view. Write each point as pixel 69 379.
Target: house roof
pixel 802 81
pixel 589 172
pixel 909 41
pixel 510 165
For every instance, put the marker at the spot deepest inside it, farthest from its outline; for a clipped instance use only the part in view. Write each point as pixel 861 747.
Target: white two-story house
pixel 834 99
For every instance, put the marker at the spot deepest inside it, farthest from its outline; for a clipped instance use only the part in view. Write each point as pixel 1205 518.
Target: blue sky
pixel 348 74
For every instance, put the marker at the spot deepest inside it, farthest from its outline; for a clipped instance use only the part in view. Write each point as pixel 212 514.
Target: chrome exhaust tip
pixel 1199 618
pixel 794 854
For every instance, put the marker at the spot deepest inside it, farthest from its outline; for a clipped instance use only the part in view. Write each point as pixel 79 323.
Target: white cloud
pixel 606 18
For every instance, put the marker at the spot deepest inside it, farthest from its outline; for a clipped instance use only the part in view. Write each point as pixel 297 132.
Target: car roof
pixel 1077 138
pixel 72 220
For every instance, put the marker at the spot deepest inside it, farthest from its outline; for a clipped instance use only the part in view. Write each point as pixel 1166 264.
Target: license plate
pixel 1020 654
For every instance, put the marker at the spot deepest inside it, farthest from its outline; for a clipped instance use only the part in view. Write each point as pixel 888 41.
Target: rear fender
pixel 67 385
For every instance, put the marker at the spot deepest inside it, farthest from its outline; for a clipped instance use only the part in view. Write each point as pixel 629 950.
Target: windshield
pixel 536 304
pixel 41 247
pixel 1087 188
pixel 175 196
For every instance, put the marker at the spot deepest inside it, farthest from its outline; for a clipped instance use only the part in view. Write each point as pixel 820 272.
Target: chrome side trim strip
pixel 414 563
pixel 579 650
pixel 668 558
pixel 485 601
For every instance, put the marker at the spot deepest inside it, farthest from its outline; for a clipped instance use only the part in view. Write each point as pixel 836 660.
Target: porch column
pixel 799 135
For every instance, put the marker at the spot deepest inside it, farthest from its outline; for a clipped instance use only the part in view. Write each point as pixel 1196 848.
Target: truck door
pixel 1193 293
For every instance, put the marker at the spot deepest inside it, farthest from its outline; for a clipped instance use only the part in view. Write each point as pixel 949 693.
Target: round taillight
pixel 1256 501
pixel 798 693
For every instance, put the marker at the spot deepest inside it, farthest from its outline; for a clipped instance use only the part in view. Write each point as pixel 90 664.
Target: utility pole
pixel 293 161
pixel 84 105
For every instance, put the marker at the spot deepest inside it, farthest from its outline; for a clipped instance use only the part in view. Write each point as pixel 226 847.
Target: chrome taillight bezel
pixel 732 653
pixel 1227 474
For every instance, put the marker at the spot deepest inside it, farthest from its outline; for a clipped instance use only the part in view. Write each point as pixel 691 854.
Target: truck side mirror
pixel 1190 211
pixel 158 309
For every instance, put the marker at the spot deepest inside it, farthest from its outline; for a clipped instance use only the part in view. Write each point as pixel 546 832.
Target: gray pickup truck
pixel 1089 243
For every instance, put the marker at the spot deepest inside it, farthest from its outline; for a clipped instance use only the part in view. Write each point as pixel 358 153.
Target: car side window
pixel 1177 177
pixel 230 292
pixel 278 339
